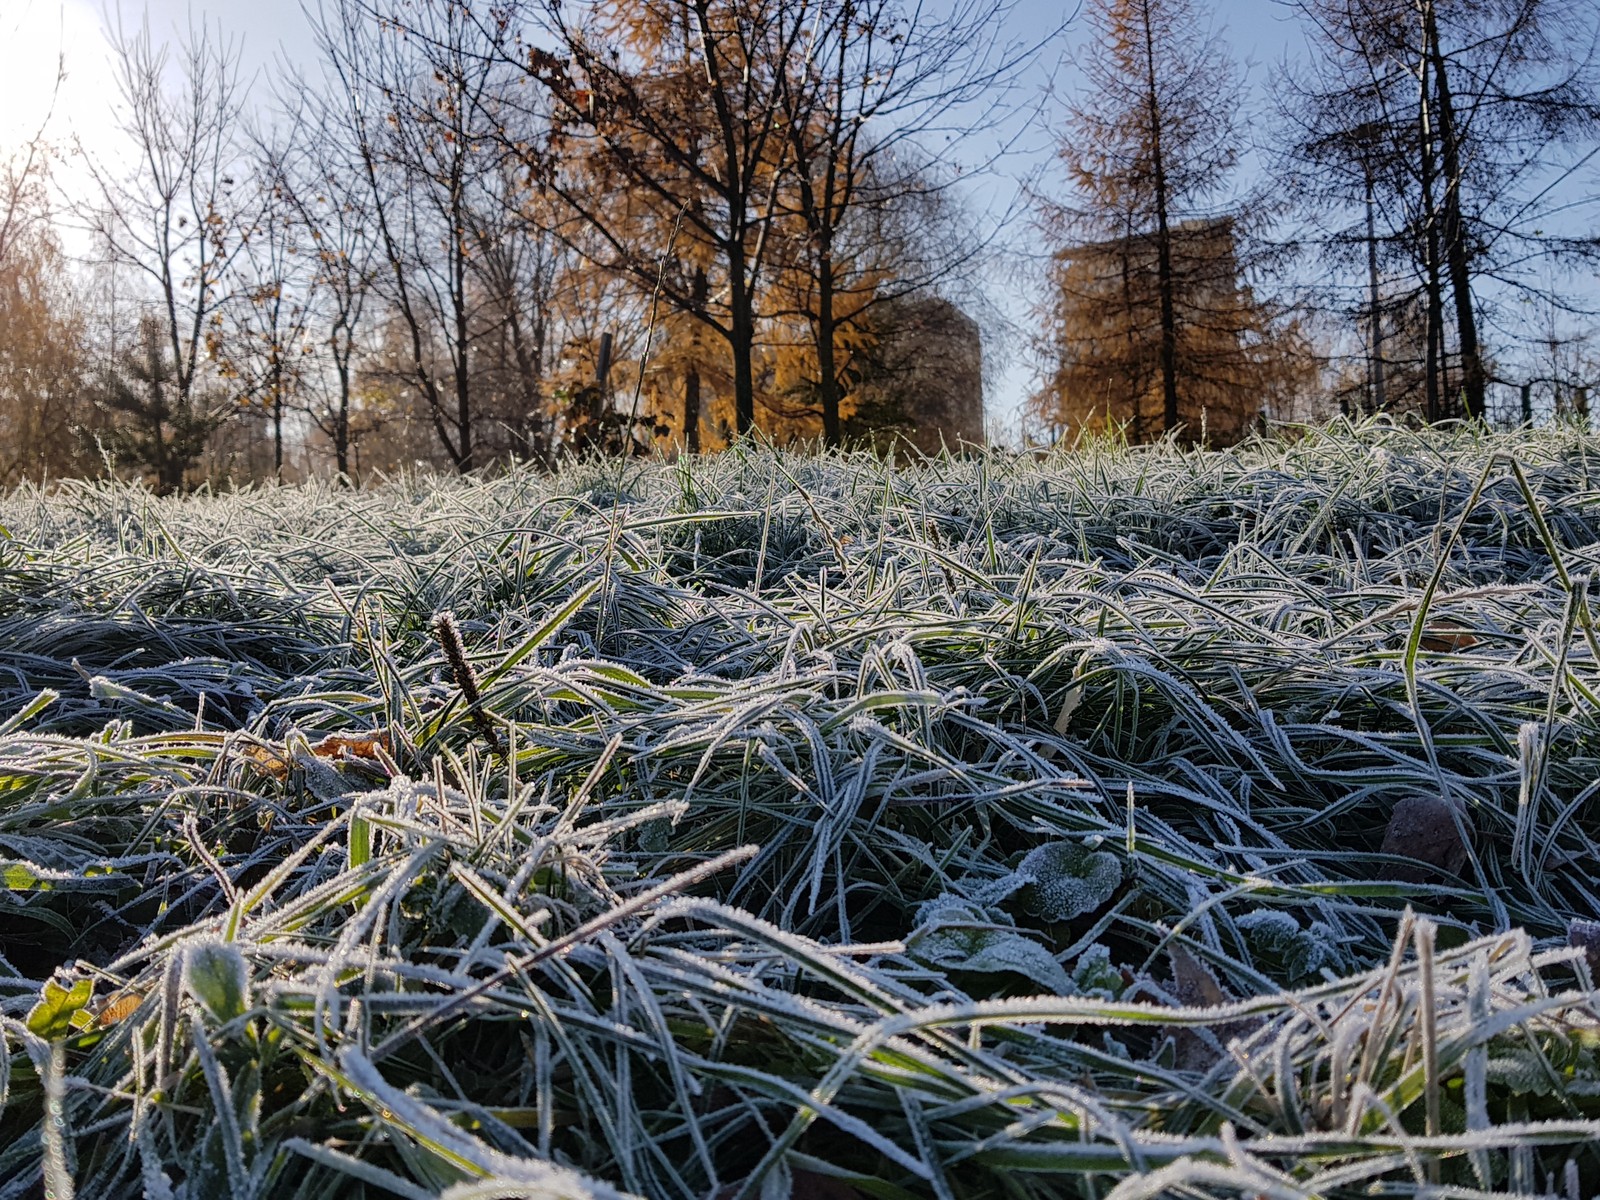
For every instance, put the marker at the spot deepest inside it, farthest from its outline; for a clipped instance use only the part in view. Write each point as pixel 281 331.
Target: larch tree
pixel 1148 291
pixel 676 104
pixel 1465 129
pixel 45 418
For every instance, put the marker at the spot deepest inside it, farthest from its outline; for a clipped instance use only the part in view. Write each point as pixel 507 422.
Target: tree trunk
pixel 463 381
pixel 1376 401
pixel 827 368
pixel 530 369
pixel 1130 323
pixel 1455 233
pixel 691 411
pixel 341 424
pixel 1435 323
pixel 1432 408
pixel 741 329
pixel 162 458
pixel 169 467
pixel 277 437
pixel 1164 280
pixel 691 383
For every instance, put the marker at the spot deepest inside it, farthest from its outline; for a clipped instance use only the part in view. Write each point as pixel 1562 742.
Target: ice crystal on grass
pixel 1065 880
pixel 957 935
pixel 815 819
pixel 1297 952
pixel 1095 975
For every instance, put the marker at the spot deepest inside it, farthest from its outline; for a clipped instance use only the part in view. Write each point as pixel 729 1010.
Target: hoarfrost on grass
pixel 847 834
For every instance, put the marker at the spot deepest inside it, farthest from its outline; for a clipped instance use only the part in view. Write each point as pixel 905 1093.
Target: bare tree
pixel 264 349
pixel 24 203
pixel 416 113
pixel 166 219
pixel 325 201
pixel 521 268
pixel 875 112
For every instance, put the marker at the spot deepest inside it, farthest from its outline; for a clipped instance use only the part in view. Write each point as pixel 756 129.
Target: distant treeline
pixel 462 236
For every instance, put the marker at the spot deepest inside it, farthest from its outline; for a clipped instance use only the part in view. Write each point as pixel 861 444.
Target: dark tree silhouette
pixel 157 422
pixel 1456 126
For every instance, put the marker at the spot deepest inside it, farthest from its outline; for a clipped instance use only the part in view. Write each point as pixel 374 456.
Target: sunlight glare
pixel 39 38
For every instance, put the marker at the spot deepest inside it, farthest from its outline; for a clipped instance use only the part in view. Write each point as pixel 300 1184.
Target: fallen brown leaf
pixel 1195 986
pixel 1423 828
pixel 118 1008
pixel 339 745
pixel 1448 637
pixel 268 759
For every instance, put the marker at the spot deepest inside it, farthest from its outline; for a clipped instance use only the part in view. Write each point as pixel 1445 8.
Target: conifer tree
pixel 1149 293
pixel 1462 127
pixel 158 422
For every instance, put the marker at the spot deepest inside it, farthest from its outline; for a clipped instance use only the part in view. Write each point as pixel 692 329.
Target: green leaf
pixel 1095 975
pixel 19 877
pixel 1521 1071
pixel 1275 934
pixel 360 841
pixel 57 1012
pixel 31 709
pixel 218 977
pixel 957 935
